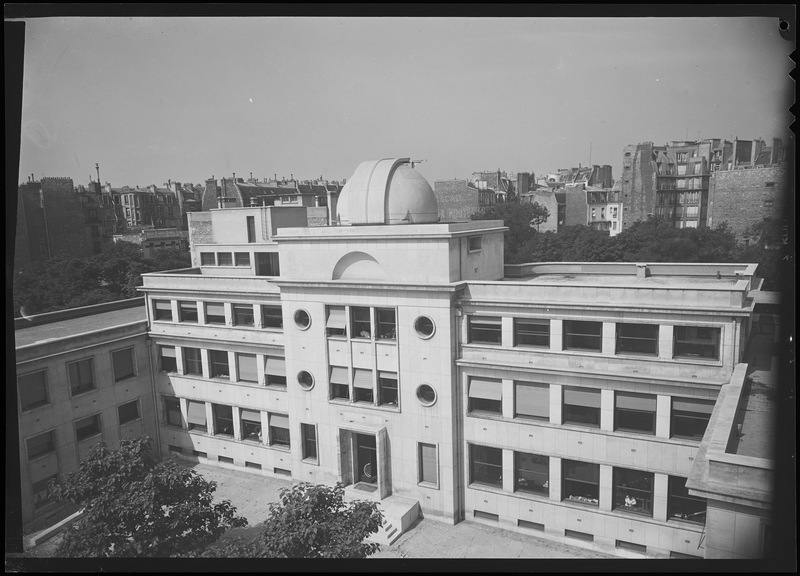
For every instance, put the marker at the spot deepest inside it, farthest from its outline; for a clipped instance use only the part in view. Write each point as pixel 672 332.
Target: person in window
pixel 364 334
pixel 629 501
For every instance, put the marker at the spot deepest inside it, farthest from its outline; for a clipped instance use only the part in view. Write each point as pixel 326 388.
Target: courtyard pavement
pixel 252 494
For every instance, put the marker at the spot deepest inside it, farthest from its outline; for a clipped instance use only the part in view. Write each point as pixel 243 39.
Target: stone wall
pixel 745 197
pixel 638 182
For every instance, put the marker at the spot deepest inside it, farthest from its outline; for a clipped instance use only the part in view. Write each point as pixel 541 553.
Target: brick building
pixel 675 181
pixel 743 197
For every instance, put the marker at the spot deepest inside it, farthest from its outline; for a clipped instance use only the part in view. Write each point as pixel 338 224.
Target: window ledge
pixel 533 496
pixel 92 437
pixel 274 387
pixel 33 408
pixel 486 415
pixel 311 461
pixel 487 488
pixel 280 448
pixel 40 456
pixel 131 377
pixel 83 393
pixel 429 485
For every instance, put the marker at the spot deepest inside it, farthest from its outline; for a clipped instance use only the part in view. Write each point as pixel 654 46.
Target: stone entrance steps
pixel 398 514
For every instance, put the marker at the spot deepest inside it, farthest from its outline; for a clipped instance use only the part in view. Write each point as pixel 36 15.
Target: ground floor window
pixel 633 491
pixel 172 412
pixel 682 505
pixel 486 466
pixel 309 434
pixel 531 473
pixel 580 482
pixel 251 425
pixel 428 465
pixel 279 430
pixel 196 416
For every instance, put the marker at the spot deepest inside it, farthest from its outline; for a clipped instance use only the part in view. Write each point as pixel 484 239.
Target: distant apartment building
pixel 460 199
pixel 189 197
pixel 153 239
pixel 319 195
pixel 83 375
pixel 50 222
pixel 675 181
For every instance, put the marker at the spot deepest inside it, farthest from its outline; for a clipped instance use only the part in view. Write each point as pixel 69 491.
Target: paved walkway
pixel 252 494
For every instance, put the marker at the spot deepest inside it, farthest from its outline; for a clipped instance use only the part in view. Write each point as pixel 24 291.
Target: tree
pixel 136 507
pixel 311 521
pixel 521 220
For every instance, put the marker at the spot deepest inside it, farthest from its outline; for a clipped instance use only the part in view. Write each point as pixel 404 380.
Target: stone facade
pixel 457 200
pixel 638 183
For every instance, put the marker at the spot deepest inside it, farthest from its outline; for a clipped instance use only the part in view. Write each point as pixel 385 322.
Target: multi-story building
pixel 675 181
pixel 83 375
pixel 319 195
pixel 398 355
pixel 460 199
pixel 153 239
pixel 50 222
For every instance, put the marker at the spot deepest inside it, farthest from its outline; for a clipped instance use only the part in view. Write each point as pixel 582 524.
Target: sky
pixel 182 99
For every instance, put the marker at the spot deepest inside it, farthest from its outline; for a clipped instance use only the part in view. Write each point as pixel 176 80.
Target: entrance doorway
pixel 366 459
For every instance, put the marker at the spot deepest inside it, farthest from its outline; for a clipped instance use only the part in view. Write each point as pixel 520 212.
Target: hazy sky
pixel 152 99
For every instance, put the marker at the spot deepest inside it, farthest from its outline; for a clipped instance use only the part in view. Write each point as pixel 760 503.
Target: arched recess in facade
pixel 358 265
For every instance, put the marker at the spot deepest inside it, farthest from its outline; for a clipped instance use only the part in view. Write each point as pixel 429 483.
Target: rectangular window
pixel 531 525
pixel 486 515
pixel 532 400
pixel 242 258
pixel 39 491
pixel 199 454
pixel 484 330
pixel 87 427
pixel 41 444
pixel 192 361
pixel 681 170
pixel 207 259
pixel 639 548
pixel 243 315
pixel 635 412
pixel 682 156
pixel 251 229
pixel 162 310
pixel 336 324
pixel 128 412
pixel 362 385
pixel 531 473
pixel 340 383
pixel 581 335
pixel 428 465
pixel 246 367
pixel 361 323
pixel 485 396
pixel 689 417
pixel 223 420
pixel 309 434
pixel 486 466
pixel 196 416
pixel 267 264
pixel 32 390
pixel 252 465
pixel 271 317
pixel 696 342
pixel 275 371
pixel 387 326
pixel 580 482
pixel 637 339
pixel 251 425
pixel 167 362
pixel 188 312
pixel 279 430
pixel 387 388
pixel 215 313
pixel 81 376
pixel 123 364
pixel 474 243
pixel 224 259
pixel 531 332
pixel 172 412
pixel 633 491
pixel 225 459
pixel 218 364
pixel 581 407
pixel 682 505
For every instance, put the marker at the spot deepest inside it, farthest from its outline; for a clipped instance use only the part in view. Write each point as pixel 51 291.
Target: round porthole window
pixel 302 319
pixel 305 379
pixel 424 327
pixel 426 395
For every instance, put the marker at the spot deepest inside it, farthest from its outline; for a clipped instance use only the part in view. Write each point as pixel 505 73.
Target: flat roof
pixel 625 280
pixel 73 326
